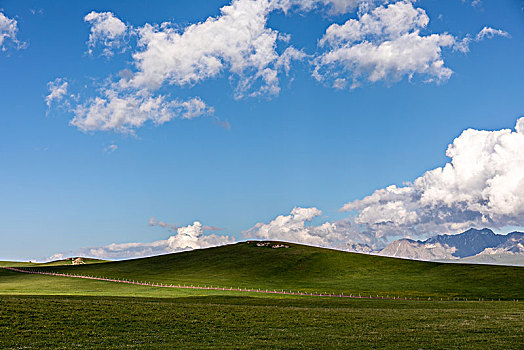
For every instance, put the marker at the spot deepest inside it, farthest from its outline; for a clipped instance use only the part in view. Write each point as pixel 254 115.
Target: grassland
pixel 40 311
pixel 310 269
pixel 235 322
pixel 50 263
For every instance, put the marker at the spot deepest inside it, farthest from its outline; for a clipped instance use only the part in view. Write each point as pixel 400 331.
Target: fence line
pixel 267 291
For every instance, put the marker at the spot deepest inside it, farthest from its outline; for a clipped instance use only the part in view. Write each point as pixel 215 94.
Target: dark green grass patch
pixel 61 322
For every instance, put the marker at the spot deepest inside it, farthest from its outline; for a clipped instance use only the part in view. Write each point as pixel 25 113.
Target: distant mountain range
pixel 473 246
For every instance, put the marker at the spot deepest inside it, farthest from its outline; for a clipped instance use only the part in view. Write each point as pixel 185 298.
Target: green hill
pixel 68 261
pixel 100 314
pixel 313 269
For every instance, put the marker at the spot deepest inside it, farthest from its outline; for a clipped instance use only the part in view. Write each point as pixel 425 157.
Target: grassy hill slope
pixel 314 269
pixel 50 263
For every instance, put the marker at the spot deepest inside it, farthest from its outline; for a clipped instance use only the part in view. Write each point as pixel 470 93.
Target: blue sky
pixel 311 145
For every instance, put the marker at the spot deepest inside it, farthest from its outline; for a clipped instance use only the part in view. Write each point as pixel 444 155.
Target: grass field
pixel 309 269
pixel 51 263
pixel 40 311
pixel 235 322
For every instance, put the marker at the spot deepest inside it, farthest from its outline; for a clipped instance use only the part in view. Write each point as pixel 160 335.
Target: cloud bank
pixel 186 238
pixel 292 228
pixel 481 186
pixel 296 228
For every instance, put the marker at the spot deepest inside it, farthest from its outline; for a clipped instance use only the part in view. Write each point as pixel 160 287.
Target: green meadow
pixel 39 311
pixel 300 268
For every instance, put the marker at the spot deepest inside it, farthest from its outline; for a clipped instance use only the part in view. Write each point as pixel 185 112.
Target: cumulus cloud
pixel 482 186
pixel 296 227
pixel 383 44
pixel 484 33
pixel 57 91
pixel 332 6
pixel 107 31
pixel 237 41
pixel 488 32
pixel 292 228
pixel 8 33
pixel 126 110
pixel 186 238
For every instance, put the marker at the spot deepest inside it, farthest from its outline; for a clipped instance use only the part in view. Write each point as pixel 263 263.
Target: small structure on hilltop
pixel 77 261
pixel 271 245
pixel 276 246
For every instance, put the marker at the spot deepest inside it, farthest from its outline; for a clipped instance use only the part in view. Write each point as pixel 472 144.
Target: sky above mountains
pixel 178 125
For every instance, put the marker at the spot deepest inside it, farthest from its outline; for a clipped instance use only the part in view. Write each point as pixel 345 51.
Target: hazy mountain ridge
pixel 359 248
pixel 408 248
pixel 482 246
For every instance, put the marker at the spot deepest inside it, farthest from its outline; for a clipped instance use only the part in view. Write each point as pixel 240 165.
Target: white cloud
pixel 186 238
pixel 389 22
pixel 292 228
pixel 154 222
pixel 36 11
pixel 57 91
pixel 57 256
pixel 296 228
pixel 482 186
pixel 484 33
pixel 192 237
pixel 111 148
pixel 488 32
pixel 126 110
pixel 383 44
pixel 8 32
pixel 474 3
pixel 332 6
pixel 237 41
pixel 106 30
